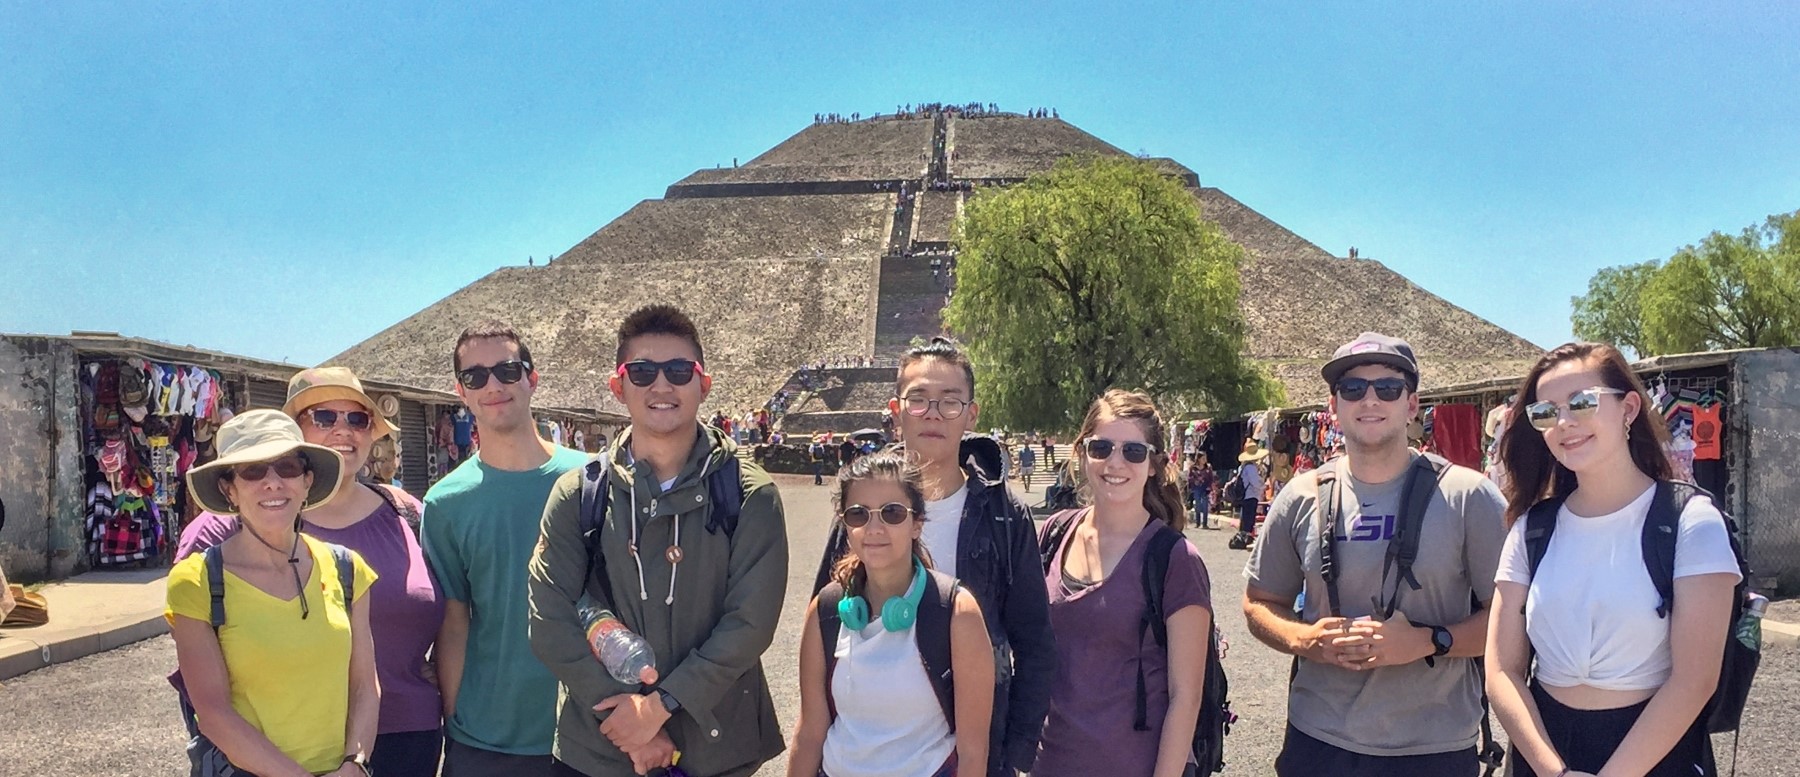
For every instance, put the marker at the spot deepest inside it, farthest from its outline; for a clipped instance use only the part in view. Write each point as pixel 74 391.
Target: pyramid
pixel 809 252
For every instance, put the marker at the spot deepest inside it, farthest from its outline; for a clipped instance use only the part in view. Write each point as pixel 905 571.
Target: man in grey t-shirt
pixel 1397 696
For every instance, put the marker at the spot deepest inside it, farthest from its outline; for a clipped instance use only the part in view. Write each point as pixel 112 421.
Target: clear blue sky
pixel 284 180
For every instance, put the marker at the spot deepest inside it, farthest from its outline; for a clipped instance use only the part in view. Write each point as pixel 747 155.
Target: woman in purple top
pixel 378 523
pixel 1097 600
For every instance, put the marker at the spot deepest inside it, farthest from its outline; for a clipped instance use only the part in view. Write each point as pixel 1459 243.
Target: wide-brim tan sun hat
pixel 263 435
pixel 323 384
pixel 1252 452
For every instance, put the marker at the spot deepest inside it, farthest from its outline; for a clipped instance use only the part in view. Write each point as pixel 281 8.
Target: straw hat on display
pixel 262 435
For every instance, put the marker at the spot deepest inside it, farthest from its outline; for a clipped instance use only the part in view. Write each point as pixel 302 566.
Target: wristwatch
pixel 361 761
pixel 668 701
pixel 1441 641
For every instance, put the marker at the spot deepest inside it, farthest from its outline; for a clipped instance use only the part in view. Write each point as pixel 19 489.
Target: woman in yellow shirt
pixel 285 686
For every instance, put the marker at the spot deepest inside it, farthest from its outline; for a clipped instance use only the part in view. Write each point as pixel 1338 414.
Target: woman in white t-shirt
pixel 877 712
pixel 1616 689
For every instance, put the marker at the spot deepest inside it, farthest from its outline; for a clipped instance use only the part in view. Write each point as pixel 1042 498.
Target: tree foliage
pixel 1099 273
pixel 1727 291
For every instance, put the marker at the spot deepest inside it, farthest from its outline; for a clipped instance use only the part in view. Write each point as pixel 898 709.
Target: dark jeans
pixel 818 473
pixel 407 753
pixel 1586 738
pixel 1303 756
pixel 560 769
pixel 1247 515
pixel 462 760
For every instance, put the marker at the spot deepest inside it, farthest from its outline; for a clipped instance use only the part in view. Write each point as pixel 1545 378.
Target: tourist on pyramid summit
pixel 911 691
pixel 1097 559
pixel 479 529
pixel 1384 683
pixel 379 522
pixel 978 532
pixel 1620 685
pixel 688 550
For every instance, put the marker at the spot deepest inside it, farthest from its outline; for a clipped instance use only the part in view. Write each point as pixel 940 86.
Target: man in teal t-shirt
pixel 480 526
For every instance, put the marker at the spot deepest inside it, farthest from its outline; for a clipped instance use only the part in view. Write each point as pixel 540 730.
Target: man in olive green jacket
pixel 705 596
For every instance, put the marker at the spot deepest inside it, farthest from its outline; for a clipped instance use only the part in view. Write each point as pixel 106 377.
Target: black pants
pixel 1586 738
pixel 1303 756
pixel 407 753
pixel 560 769
pixel 1247 515
pixel 462 760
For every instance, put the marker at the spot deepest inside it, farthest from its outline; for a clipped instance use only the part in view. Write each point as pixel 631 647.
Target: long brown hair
pixel 1162 495
pixel 885 465
pixel 1533 473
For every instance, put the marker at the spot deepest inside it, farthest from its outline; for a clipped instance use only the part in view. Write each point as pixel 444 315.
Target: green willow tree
pixel 1100 273
pixel 1728 291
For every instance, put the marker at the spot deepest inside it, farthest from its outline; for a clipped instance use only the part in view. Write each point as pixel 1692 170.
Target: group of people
pixel 325 626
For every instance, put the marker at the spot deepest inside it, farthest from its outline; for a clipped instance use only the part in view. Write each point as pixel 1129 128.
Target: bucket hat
pixel 262 435
pixel 323 384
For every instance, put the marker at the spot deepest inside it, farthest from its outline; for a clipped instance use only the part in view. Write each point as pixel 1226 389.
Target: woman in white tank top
pixel 1616 690
pixel 888 719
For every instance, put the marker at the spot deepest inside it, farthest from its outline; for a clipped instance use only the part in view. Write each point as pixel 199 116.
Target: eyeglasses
pixel 355 419
pixel 948 407
pixel 892 514
pixel 1354 389
pixel 287 469
pixel 1101 449
pixel 642 372
pixel 1544 413
pixel 508 372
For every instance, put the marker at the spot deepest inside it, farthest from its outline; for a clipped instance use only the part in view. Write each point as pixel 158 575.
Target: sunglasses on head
pixel 643 372
pixel 1544 414
pixel 892 514
pixel 1354 389
pixel 288 469
pixel 508 372
pixel 1101 449
pixel 355 419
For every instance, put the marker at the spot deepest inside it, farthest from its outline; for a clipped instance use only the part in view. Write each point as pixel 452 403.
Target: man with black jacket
pixel 978 532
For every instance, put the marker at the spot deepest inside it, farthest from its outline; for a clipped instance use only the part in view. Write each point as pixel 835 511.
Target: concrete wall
pixel 40 461
pixel 1769 382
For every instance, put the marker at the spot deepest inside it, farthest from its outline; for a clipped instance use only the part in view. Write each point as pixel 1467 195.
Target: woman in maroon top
pixel 378 522
pixel 1097 599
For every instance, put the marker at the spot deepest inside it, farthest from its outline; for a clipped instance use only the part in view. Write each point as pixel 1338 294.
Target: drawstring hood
pixel 713 449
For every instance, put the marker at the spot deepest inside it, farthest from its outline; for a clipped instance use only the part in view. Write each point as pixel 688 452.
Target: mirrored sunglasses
pixel 507 372
pixel 1354 389
pixel 892 514
pixel 1544 414
pixel 1101 449
pixel 642 372
pixel 355 419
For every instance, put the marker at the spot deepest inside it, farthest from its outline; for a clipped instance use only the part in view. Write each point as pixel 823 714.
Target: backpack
pixel 1234 490
pixel 1216 716
pixel 1422 480
pixel 931 632
pixel 1661 530
pixel 724 486
pixel 407 510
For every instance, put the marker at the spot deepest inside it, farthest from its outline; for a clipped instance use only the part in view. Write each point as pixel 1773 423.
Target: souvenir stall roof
pixel 1654 364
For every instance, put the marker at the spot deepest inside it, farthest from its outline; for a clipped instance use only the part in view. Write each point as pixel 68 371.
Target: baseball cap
pixel 1371 348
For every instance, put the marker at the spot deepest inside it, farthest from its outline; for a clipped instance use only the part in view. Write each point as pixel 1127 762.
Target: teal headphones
pixel 897 613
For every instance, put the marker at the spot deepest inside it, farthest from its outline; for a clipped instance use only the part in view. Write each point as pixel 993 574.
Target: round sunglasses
pixel 642 372
pixel 1544 414
pixel 507 372
pixel 1101 449
pixel 355 419
pixel 892 514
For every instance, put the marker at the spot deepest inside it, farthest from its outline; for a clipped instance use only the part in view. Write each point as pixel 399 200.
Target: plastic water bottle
pixel 626 656
pixel 1749 630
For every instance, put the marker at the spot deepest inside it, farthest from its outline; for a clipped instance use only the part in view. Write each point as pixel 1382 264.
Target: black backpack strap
pixel 346 573
pixel 215 586
pixel 1055 529
pixel 725 486
pixel 933 638
pixel 1421 483
pixel 1327 507
pixel 829 596
pixel 405 509
pixel 1155 573
pixel 596 494
pixel 1661 527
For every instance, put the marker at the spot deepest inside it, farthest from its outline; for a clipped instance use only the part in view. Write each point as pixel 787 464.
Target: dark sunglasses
pixel 892 514
pixel 508 372
pixel 1582 404
pixel 1101 449
pixel 643 372
pixel 355 419
pixel 288 469
pixel 1354 389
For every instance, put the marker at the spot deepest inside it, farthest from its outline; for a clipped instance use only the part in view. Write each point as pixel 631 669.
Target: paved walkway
pixel 89 613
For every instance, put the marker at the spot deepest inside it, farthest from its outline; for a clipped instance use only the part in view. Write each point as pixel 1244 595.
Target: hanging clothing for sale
pixel 1456 429
pixel 1709 432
